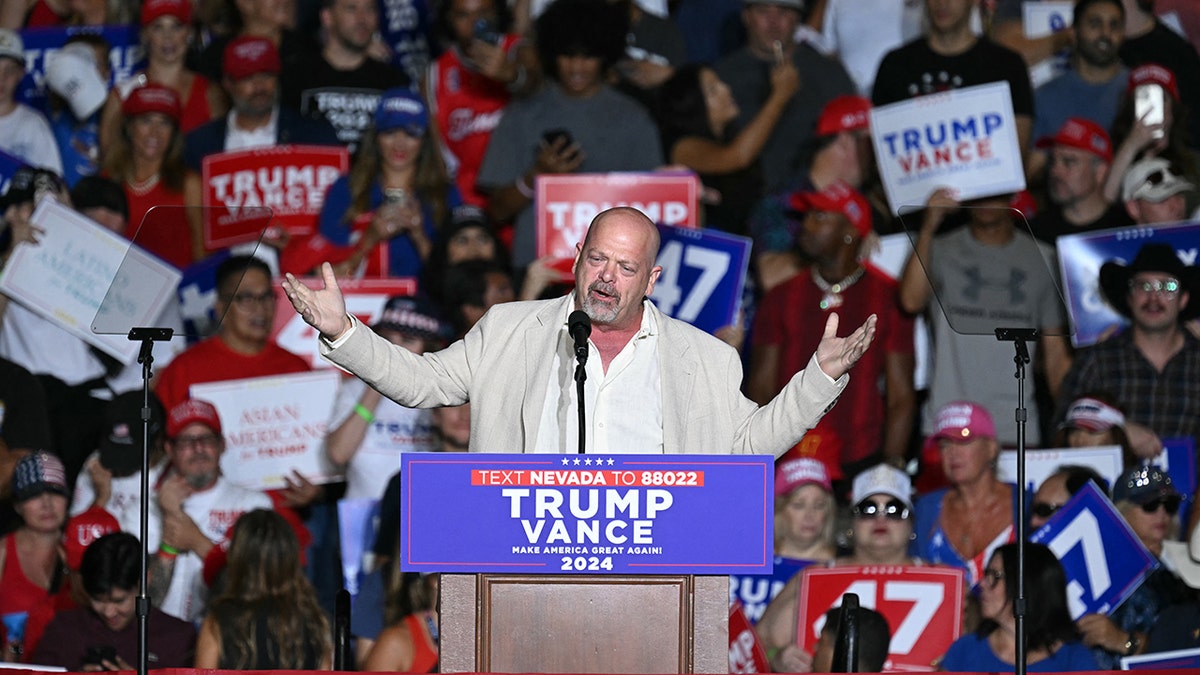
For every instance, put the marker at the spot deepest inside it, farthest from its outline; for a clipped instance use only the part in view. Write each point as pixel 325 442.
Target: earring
pixel 848 239
pixel 912 536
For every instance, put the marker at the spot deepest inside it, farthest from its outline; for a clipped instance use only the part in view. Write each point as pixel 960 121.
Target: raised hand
pixel 835 355
pixel 323 308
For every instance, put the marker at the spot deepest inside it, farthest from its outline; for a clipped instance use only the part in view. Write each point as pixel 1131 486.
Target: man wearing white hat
pixel 1156 192
pixel 24 132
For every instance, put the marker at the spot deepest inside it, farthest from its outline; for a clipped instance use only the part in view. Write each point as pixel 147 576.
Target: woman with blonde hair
pixel 804 511
pixel 266 616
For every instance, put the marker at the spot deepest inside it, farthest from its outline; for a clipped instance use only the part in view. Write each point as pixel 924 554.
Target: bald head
pixel 614 267
pixel 627 219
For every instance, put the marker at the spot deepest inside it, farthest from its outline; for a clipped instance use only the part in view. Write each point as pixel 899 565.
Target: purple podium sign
pixel 586 514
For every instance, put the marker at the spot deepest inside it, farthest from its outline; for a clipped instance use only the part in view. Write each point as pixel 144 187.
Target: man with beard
pixel 1152 367
pixel 342 83
pixel 871 422
pixel 654 384
pixel 194 507
pixel 255 120
pixel 1093 86
pixel 1080 159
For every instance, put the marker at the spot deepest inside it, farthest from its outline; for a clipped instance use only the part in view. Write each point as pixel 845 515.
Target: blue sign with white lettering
pixel 124 56
pixel 756 591
pixel 1081 255
pixel 587 514
pixel 1104 560
pixel 703 275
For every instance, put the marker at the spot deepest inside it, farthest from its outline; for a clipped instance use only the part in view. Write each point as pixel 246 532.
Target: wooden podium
pixel 520 623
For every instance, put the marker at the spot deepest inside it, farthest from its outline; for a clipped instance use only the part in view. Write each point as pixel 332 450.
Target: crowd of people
pixel 448 129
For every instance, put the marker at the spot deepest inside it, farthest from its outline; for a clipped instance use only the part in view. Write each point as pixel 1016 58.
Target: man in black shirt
pixel 951 56
pixel 1080 156
pixel 341 83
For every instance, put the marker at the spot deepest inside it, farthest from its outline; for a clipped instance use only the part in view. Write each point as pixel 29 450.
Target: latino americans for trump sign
pixel 962 139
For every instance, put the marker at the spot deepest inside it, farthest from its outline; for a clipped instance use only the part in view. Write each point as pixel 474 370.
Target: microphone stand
pixel 1019 337
pixel 580 378
pixel 147 336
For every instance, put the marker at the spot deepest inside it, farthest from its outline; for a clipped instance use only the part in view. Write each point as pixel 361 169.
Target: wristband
pixel 361 411
pixel 168 551
pixel 523 188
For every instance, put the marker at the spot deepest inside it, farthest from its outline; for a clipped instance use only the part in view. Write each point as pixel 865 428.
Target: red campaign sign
pixel 746 653
pixel 923 607
pixel 290 180
pixel 364 299
pixel 566 203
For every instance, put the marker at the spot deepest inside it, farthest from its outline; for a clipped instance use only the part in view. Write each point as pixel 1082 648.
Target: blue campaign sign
pixel 123 58
pixel 704 272
pixel 1104 560
pixel 756 591
pixel 586 514
pixel 197 293
pixel 1081 255
pixel 406 29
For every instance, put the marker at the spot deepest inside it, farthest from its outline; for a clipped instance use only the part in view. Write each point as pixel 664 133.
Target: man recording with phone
pixel 578 41
pixel 103 635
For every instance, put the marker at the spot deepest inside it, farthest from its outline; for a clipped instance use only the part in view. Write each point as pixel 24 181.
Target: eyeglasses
pixel 249 300
pixel 893 510
pixel 1170 503
pixel 201 441
pixel 993 576
pixel 1044 509
pixel 1163 286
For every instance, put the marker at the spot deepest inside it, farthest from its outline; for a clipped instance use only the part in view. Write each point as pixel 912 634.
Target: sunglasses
pixel 1044 510
pixel 1170 503
pixel 893 510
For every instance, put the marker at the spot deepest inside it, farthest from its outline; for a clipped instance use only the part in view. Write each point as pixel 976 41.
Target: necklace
pixel 833 292
pixel 141 188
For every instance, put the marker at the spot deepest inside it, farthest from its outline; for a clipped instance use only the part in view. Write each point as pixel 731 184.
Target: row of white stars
pixel 567 461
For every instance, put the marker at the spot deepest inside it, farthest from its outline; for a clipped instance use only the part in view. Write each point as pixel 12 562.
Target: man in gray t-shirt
pixel 605 130
pixel 987 274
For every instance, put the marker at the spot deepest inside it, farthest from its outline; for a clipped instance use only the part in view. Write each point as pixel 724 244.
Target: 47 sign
pixel 1104 560
pixel 703 274
pixel 922 605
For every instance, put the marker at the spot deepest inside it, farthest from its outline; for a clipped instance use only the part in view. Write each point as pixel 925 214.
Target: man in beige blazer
pixel 661 385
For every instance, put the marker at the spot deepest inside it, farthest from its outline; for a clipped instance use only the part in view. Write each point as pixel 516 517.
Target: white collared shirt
pixel 262 137
pixel 623 407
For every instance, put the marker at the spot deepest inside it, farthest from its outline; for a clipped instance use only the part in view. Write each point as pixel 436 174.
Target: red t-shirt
pixel 195 110
pixel 167 235
pixel 467 107
pixel 213 361
pixel 790 317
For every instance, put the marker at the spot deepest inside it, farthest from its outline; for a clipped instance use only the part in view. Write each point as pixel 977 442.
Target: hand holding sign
pixel 323 309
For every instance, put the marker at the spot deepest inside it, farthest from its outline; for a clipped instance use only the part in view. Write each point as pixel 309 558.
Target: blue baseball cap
pixel 400 108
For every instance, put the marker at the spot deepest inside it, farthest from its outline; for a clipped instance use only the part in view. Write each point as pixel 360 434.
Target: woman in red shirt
pixel 147 159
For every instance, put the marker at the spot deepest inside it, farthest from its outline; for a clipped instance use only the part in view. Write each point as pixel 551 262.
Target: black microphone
pixel 579 325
